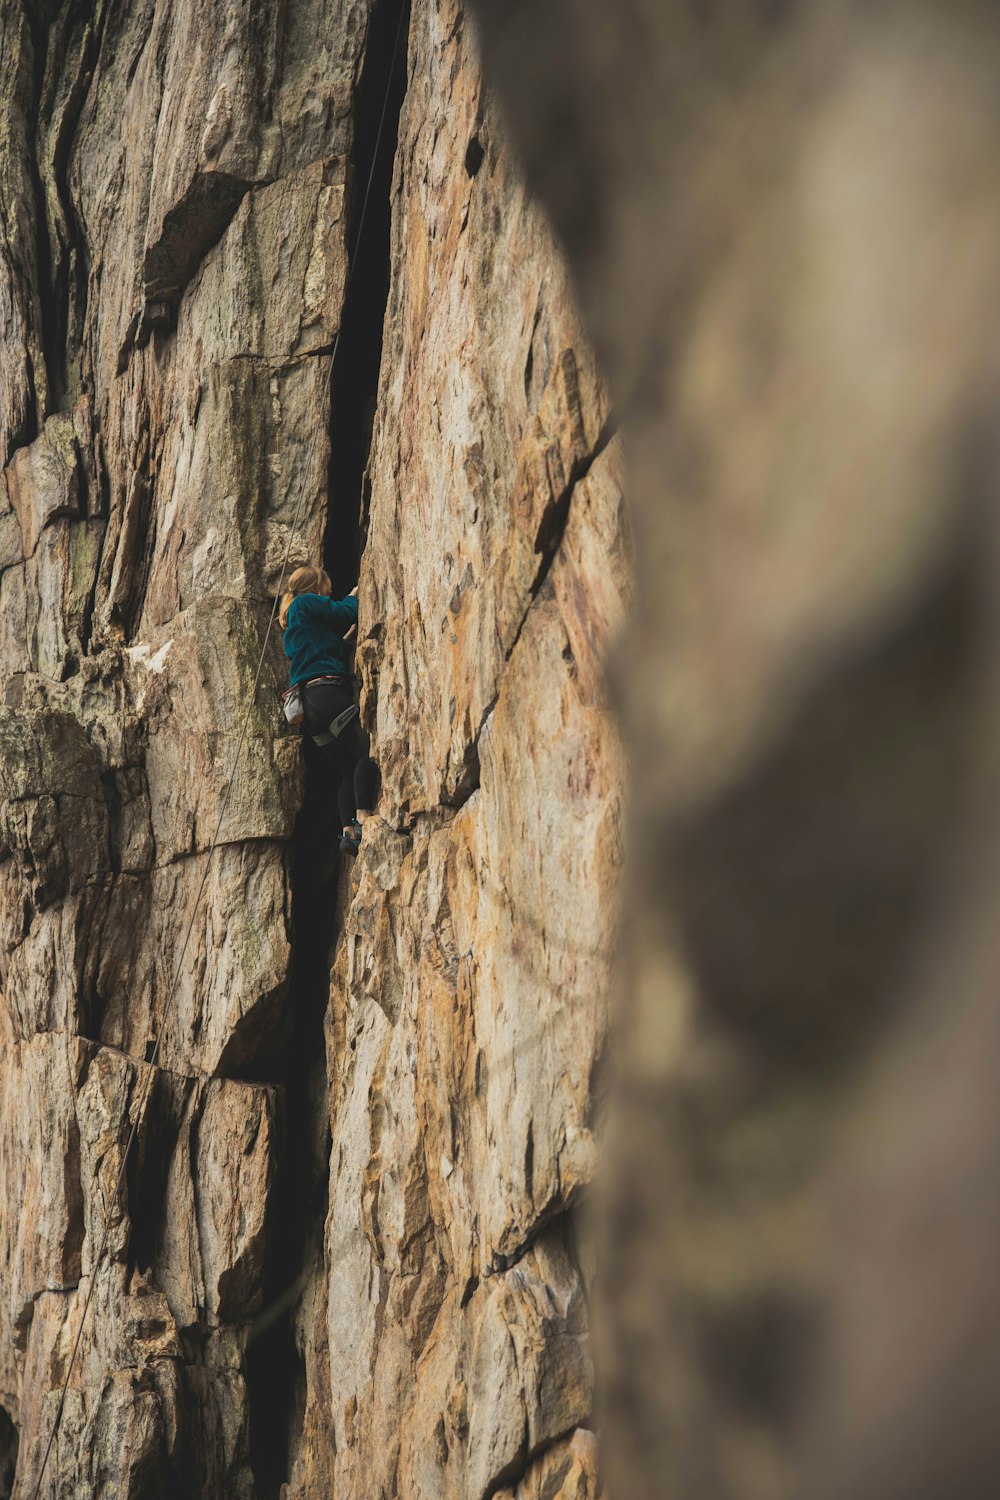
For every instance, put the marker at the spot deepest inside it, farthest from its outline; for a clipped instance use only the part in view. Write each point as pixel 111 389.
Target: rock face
pixel 349 1257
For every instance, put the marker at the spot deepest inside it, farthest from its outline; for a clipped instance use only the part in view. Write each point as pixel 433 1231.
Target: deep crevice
pixel 190 228
pixel 77 30
pixel 43 248
pixel 141 521
pixel 148 1169
pixel 475 155
pixel 354 384
pixel 471 772
pixel 275 1372
pixel 9 1445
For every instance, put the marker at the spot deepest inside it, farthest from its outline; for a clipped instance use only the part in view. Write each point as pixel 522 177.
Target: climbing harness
pixel 294 706
pixel 337 726
pixel 150 1064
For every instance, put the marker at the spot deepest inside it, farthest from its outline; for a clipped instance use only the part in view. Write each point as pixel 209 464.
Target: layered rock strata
pixel 394 1212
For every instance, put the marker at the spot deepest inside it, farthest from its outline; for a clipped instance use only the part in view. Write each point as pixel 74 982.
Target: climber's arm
pixel 341 614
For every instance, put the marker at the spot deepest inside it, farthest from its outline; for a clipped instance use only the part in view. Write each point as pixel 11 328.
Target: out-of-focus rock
pixel 800 1214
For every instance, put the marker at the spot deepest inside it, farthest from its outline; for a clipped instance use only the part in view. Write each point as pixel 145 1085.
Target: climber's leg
pixel 323 702
pixel 365 787
pixel 345 801
pixel 364 772
pixel 342 758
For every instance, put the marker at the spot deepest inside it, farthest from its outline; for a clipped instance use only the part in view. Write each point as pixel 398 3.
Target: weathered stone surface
pixel 566 1471
pixel 357 1268
pixel 491 407
pixel 48 572
pixel 41 1168
pixel 470 1001
pixel 232 1177
pixel 134 1408
pixel 498 1380
pixel 139 530
pixel 47 479
pixel 54 818
pixel 155 1414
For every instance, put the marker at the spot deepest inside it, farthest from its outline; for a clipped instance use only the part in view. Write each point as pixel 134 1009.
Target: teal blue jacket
pixel 314 636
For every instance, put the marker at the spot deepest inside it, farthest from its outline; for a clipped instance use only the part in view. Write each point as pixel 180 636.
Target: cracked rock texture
pixel 396 1196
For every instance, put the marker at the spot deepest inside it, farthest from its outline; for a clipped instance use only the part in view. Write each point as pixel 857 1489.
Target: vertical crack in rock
pixel 275 1375
pixel 8 1454
pixel 40 380
pixel 65 66
pixel 148 1172
pixel 359 354
pixel 275 1371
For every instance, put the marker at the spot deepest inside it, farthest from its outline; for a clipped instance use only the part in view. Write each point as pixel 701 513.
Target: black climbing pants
pixel 351 765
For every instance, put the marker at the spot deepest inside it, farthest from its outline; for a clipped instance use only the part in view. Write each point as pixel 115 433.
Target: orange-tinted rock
pixel 198 189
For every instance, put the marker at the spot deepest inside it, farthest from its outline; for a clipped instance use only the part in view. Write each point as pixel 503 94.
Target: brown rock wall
pixel 470 997
pixel 358 1272
pixel 137 526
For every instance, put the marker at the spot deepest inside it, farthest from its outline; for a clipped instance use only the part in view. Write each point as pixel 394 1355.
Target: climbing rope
pixel 172 992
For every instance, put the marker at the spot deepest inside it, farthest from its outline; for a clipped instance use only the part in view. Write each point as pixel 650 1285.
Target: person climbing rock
pixel 317 629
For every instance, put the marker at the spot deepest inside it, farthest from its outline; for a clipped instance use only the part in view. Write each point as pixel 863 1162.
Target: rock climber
pixel 317 630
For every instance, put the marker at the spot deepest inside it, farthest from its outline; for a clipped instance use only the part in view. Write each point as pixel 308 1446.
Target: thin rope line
pixel 172 992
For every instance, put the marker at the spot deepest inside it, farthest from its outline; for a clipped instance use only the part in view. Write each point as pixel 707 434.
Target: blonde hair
pixel 303 581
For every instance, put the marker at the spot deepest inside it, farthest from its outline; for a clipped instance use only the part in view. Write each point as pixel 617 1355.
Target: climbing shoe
pixel 351 842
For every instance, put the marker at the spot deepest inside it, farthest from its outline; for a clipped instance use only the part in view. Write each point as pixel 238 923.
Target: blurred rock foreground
pixel 358 1255
pixel 783 221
